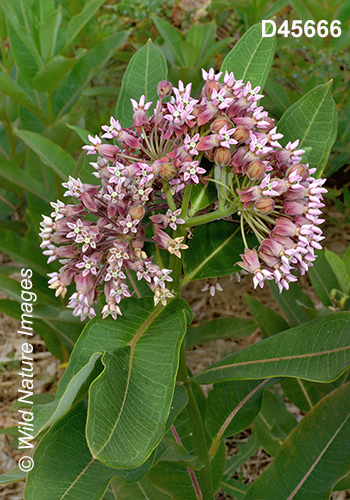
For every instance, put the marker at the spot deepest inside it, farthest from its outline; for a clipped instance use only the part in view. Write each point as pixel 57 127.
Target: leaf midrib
pixel 291 496
pixel 132 344
pixel 270 360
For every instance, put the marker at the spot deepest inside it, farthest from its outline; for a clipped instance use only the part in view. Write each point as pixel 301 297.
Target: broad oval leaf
pixel 64 467
pixel 251 57
pixel 314 457
pixel 214 250
pixel 127 418
pixel 318 351
pixel 314 121
pixel 146 68
pixel 47 414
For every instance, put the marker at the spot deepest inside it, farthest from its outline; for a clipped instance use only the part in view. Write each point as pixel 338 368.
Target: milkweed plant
pixel 193 187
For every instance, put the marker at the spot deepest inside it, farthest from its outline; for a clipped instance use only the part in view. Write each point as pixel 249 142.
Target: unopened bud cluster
pixel 141 175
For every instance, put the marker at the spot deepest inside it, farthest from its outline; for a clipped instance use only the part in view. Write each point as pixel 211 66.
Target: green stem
pixel 176 264
pixel 205 475
pixel 199 437
pixel 203 219
pixel 186 200
pixel 169 196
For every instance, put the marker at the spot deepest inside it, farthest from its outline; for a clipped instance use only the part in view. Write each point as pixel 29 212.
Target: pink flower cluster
pixel 141 178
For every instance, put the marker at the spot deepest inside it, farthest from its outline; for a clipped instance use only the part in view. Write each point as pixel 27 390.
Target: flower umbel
pixel 142 194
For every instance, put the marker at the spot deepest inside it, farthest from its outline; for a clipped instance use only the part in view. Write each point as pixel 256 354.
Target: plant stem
pixel 169 196
pixel 205 476
pixel 203 219
pixel 176 264
pixel 186 200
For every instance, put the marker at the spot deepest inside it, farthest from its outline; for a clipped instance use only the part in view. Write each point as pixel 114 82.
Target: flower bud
pixel 256 170
pixel 219 123
pixel 209 154
pixel 264 205
pixel 164 89
pixel 137 212
pixel 108 151
pixel 167 171
pixel 209 86
pixel 301 170
pixel 241 134
pixel 222 156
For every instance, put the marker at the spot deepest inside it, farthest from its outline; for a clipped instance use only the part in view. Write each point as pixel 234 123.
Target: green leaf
pixel 146 68
pixel 64 450
pixel 12 173
pixel 202 196
pixel 221 328
pixel 46 8
pixel 304 394
pixel 308 351
pixel 273 424
pixel 15 92
pixel 323 279
pixel 171 37
pixel 289 302
pixel 346 260
pixel 269 321
pixel 173 478
pixel 140 490
pixel 214 250
pixel 246 449
pixel 23 250
pixel 51 154
pixel 232 406
pixel 38 399
pixel 77 23
pixel 23 48
pixel 314 457
pixel 49 29
pixel 251 57
pixel 12 476
pixel 47 414
pixel 313 120
pixel 72 85
pixel 234 488
pixel 343 484
pixel 54 70
pixel 127 421
pixel 339 269
pixel 278 95
pixel 82 133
